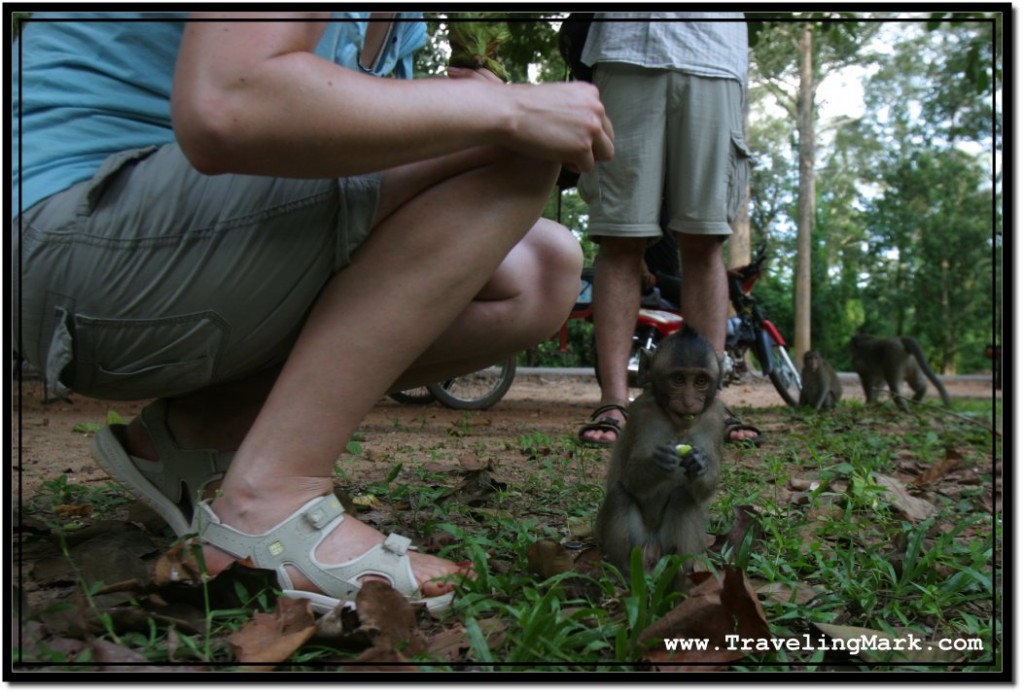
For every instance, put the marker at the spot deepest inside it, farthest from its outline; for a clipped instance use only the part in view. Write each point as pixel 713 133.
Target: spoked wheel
pixel 784 375
pixel 413 396
pixel 478 390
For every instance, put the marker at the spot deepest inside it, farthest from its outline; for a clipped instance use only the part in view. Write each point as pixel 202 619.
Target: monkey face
pixel 686 391
pixel 684 373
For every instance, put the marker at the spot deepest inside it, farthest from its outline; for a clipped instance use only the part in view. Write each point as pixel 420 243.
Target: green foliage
pixel 903 239
pixel 529 39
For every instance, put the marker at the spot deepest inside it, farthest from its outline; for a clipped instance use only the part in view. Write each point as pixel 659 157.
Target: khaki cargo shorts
pixel 677 134
pixel 152 280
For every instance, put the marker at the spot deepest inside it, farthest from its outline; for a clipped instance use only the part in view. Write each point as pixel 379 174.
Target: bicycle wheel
pixel 478 390
pixel 413 396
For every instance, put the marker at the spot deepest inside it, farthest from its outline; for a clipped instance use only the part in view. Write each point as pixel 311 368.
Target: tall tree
pixel 792 58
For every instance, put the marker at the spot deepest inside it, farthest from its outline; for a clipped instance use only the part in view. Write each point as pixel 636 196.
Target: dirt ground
pixel 45 444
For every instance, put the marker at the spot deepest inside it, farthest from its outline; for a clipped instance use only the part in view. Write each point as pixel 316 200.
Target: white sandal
pixel 293 542
pixel 171 485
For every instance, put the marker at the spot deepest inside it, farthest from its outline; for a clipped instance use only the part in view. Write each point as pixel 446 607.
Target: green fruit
pixel 683 448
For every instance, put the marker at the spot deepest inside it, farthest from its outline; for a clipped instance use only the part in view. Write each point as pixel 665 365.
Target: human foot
pixel 320 553
pixel 738 432
pixel 603 431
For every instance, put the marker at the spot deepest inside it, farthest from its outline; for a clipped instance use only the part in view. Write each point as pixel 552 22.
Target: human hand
pixel 563 122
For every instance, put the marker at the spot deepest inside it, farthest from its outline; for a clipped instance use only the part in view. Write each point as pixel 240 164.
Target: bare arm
pixel 251 97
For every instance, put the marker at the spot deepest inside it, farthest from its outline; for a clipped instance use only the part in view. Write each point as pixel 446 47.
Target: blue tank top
pixel 88 85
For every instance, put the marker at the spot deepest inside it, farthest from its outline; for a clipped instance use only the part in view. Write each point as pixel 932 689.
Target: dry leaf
pixel 721 610
pixel 387 618
pixel 271 638
pixel 449 645
pixel 939 470
pixel 799 594
pixel 746 518
pixel 912 508
pixel 547 558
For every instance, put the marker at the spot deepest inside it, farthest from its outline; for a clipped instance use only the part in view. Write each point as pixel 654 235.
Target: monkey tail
pixel 913 347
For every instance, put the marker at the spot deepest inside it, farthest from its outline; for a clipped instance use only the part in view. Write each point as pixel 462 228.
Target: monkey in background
pixel 665 467
pixel 820 387
pixel 892 360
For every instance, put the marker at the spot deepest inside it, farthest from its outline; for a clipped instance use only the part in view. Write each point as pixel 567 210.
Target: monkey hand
pixel 667 458
pixel 694 461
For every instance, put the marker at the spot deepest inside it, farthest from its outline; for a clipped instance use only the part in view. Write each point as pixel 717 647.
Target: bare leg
pixel 705 296
pixel 525 302
pixel 445 228
pixel 616 304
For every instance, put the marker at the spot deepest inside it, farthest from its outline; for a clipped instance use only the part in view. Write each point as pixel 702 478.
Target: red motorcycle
pixel 747 333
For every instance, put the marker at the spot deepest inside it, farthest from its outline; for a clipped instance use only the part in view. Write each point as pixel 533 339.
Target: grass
pixel 845 555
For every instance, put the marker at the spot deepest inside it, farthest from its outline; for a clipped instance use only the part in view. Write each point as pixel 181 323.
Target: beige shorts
pixel 677 134
pixel 152 280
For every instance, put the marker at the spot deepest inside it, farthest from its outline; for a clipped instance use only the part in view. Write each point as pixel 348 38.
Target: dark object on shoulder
pixel 572 36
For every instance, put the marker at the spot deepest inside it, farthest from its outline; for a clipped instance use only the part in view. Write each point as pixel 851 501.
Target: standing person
pixel 673 86
pixel 241 220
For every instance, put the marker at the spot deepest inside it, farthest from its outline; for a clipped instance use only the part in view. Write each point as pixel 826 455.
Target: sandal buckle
pixel 324 512
pixel 397 544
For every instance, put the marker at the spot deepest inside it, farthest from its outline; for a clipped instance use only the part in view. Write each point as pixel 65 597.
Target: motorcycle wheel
pixel 633 365
pixel 413 396
pixel 785 376
pixel 478 390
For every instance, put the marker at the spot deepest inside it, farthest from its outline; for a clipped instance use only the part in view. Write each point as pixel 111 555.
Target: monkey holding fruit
pixel 892 360
pixel 665 466
pixel 819 383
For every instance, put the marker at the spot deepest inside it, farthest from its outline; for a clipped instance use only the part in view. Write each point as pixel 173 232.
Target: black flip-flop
pixel 733 423
pixel 598 423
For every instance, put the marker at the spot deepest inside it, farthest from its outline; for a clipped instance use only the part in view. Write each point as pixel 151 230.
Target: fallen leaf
pixel 797 593
pixel 366 501
pixel 721 610
pixel 476 488
pixel 912 508
pixel 548 558
pixel 746 522
pixel 106 652
pixel 387 618
pixel 449 645
pixel 271 638
pixel 939 470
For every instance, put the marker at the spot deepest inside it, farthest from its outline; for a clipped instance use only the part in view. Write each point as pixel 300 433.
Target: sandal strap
pixel 196 467
pixel 294 540
pixel 608 407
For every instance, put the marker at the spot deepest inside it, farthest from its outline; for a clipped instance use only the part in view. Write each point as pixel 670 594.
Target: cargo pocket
pixel 739 176
pixel 121 359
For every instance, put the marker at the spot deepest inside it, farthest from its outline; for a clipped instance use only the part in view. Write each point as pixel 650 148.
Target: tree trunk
pixel 805 199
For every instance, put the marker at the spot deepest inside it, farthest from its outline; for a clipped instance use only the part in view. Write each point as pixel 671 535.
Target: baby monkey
pixel 665 466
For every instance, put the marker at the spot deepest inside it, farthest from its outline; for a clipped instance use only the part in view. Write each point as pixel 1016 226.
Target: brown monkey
pixel 892 360
pixel 655 496
pixel 819 383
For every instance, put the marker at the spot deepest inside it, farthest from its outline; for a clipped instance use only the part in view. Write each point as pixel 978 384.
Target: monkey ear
pixel 643 368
